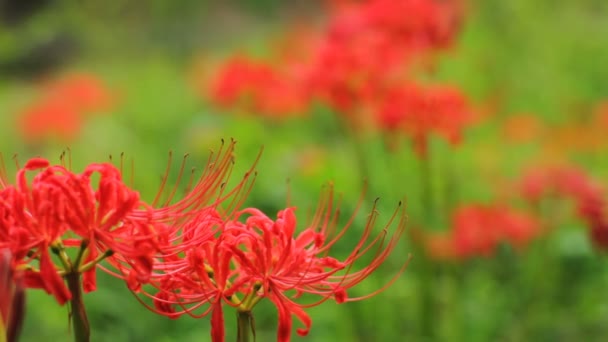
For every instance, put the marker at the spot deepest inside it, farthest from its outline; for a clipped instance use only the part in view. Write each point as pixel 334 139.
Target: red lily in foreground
pixel 98 214
pixel 251 256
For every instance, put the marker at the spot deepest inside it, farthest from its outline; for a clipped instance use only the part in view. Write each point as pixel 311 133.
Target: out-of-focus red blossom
pixel 572 183
pixel 477 230
pixel 86 92
pixel 370 45
pixel 367 49
pixel 419 112
pixel 258 87
pixel 53 117
pixel 411 24
pixel 566 181
pixel 251 256
pixel 63 106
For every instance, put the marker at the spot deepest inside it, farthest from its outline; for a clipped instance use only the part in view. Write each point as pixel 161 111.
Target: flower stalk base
pixel 246 327
pixel 78 314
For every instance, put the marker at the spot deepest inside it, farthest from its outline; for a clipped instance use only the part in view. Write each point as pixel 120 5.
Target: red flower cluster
pixel 575 184
pixel 370 46
pixel 258 87
pixel 478 229
pixel 61 111
pixel 250 256
pixel 361 66
pixel 60 209
pixel 201 251
pixel 421 111
pixel 98 213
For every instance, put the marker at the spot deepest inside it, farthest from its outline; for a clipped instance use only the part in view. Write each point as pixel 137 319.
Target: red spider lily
pixel 367 48
pixel 345 78
pixel 260 257
pixel 558 180
pixel 369 45
pixel 86 92
pixel 62 109
pixel 189 221
pixel 51 117
pixel 478 229
pixel 433 26
pixel 571 183
pixel 59 203
pixel 12 299
pixel 57 208
pixel 419 112
pixel 257 87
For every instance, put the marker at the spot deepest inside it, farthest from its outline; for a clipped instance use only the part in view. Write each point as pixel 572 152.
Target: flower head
pixel 63 107
pixel 59 208
pixel 252 256
pixel 477 230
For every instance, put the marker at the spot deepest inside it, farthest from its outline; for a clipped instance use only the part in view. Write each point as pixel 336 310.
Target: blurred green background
pixel 541 57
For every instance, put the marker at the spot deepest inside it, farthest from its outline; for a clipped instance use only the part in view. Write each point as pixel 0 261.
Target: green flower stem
pixel 246 328
pixel 80 323
pixel 427 269
pixel 2 331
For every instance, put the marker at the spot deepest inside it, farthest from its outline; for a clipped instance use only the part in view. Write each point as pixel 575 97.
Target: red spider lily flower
pixel 345 78
pixel 59 203
pixel 368 45
pixel 208 190
pixel 478 229
pixel 565 181
pixel 86 92
pixel 433 26
pixel 57 208
pixel 575 184
pixel 188 222
pixel 264 258
pixel 366 48
pixel 50 118
pixel 12 299
pixel 258 87
pixel 419 112
pixel 558 180
pixel 61 110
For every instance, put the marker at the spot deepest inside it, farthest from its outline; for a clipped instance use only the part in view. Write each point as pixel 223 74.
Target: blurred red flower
pixel 477 230
pixel 574 184
pixel 257 87
pixel 420 112
pixel 62 109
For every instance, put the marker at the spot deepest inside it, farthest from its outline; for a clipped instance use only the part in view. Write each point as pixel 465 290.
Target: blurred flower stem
pixel 427 268
pixel 12 300
pixel 78 314
pixel 246 327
